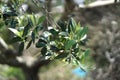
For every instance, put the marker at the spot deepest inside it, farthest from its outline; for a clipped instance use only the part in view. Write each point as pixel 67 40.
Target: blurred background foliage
pixel 11 73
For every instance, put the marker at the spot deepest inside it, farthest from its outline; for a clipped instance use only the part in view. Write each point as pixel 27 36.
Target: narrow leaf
pixel 78 27
pixel 54 48
pixel 62 25
pixel 41 19
pixel 44 51
pixel 27 27
pixel 86 52
pixel 74 24
pixel 53 31
pixel 82 32
pixel 33 37
pixel 63 34
pixel 33 18
pixel 71 25
pixel 41 43
pixel 85 55
pixel 16 32
pixel 38 28
pixel 16 39
pixel 29 44
pixel 69 44
pixel 61 56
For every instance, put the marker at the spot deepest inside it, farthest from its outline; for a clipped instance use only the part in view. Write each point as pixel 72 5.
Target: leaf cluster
pixel 65 43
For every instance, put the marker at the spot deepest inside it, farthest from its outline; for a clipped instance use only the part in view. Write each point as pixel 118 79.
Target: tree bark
pixel 68 9
pixel 31 73
pixel 47 10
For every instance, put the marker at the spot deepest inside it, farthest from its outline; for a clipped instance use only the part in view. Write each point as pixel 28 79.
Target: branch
pixel 3 45
pixel 99 3
pixel 39 63
pixel 69 7
pixel 8 57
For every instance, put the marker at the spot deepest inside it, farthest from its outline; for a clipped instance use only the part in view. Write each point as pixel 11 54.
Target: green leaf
pixel 86 52
pixel 44 51
pixel 53 31
pixel 82 32
pixel 33 18
pixel 69 44
pixel 85 55
pixel 16 39
pixel 15 2
pixel 76 50
pixel 30 21
pixel 54 48
pixel 33 37
pixel 41 19
pixel 41 43
pixel 69 27
pixel 46 34
pixel 82 42
pixel 21 47
pixel 38 28
pixel 61 56
pixel 25 31
pixel 63 34
pixel 44 38
pixel 9 14
pixel 13 23
pixel 29 44
pixel 62 25
pixel 72 25
pixel 75 62
pixel 16 32
pixel 78 27
pixel 27 27
pixel 68 59
pixel 48 54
